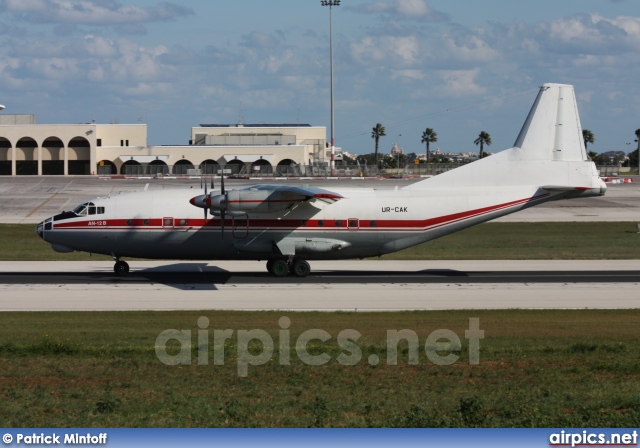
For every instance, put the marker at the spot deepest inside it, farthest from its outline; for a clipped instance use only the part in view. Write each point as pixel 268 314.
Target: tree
pixel 633 155
pixel 429 136
pixel 483 139
pixel 377 132
pixel 588 137
pixel 592 155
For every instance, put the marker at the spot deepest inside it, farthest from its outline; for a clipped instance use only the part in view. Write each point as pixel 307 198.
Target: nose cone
pixel 43 227
pixel 40 230
pixel 199 201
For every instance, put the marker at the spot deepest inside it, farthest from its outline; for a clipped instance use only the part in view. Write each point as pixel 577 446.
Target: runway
pixel 342 285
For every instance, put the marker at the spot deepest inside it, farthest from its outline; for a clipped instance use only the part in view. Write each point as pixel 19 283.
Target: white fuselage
pixel 366 223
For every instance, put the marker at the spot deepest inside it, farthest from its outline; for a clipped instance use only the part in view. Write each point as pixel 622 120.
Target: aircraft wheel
pixel 121 268
pixel 280 268
pixel 301 268
pixel 270 267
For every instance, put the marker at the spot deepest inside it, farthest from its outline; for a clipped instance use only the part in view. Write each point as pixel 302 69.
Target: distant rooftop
pixel 256 125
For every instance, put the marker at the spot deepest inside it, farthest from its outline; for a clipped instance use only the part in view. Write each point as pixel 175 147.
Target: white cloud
pixel 403 9
pixel 389 49
pixel 461 82
pixel 92 12
pixel 592 34
pixel 467 48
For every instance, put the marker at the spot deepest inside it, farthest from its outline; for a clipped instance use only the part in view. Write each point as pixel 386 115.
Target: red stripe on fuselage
pixel 300 224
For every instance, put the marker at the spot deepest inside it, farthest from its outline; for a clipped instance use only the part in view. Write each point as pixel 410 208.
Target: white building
pixel 27 148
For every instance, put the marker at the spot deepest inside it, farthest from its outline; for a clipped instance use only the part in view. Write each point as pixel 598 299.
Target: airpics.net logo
pixel 257 347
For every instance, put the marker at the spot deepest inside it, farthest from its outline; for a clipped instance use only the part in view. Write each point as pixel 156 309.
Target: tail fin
pixel 548 151
pixel 552 130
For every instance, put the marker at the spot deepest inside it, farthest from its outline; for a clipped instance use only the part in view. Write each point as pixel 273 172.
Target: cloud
pixel 92 12
pixel 591 34
pixel 402 50
pixel 417 10
pixel 461 82
pixel 259 40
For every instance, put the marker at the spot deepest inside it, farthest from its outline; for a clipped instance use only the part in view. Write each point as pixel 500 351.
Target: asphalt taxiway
pixel 335 285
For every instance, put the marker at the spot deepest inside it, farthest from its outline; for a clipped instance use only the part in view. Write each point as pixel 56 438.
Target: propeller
pixel 219 202
pixel 208 202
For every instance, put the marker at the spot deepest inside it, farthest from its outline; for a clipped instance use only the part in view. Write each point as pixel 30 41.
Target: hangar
pixel 27 148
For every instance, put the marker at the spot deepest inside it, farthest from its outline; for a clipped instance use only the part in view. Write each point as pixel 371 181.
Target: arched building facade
pixel 122 149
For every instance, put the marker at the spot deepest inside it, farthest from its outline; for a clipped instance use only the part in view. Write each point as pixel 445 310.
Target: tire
pixel 280 268
pixel 270 267
pixel 121 268
pixel 301 268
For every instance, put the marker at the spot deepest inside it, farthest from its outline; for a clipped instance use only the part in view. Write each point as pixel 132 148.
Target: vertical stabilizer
pixel 552 130
pixel 549 151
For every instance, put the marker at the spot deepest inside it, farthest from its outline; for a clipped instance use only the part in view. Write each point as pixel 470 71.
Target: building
pixel 27 148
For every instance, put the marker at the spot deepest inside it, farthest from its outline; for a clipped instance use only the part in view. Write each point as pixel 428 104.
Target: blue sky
pixel 458 67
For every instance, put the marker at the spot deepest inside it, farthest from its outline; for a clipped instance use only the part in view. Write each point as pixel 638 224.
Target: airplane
pixel 287 226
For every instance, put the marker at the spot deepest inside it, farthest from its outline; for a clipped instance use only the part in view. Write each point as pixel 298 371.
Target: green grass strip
pixel 491 241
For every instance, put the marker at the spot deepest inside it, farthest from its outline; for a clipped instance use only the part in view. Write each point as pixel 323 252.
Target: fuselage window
pixel 129 222
pixel 338 223
pixel 372 224
pixel 146 222
pixel 320 223
pixel 183 222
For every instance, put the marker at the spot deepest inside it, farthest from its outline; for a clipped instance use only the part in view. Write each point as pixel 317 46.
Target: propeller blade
pixel 212 187
pixel 222 224
pixel 222 183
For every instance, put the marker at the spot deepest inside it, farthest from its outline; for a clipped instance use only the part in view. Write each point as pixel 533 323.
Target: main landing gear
pixel 121 268
pixel 280 268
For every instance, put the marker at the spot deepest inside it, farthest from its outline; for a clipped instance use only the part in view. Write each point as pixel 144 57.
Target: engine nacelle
pixel 257 201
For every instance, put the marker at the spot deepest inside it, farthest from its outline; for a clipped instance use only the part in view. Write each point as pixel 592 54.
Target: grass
pixel 537 369
pixel 506 241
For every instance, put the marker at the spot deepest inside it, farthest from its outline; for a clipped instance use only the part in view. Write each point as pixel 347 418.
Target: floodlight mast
pixel 331 4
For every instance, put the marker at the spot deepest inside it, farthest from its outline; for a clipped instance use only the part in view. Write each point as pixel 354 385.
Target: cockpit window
pixel 80 209
pixel 88 208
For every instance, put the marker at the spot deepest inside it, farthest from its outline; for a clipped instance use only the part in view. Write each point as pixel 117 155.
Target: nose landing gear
pixel 121 268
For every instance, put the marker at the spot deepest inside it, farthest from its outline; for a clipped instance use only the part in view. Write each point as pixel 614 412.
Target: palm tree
pixel 429 136
pixel 588 137
pixel 377 132
pixel 483 139
pixel 637 151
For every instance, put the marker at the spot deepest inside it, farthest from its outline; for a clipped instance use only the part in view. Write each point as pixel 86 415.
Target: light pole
pixel 331 4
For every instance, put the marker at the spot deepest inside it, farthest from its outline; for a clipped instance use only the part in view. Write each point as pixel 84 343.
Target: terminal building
pixel 27 148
